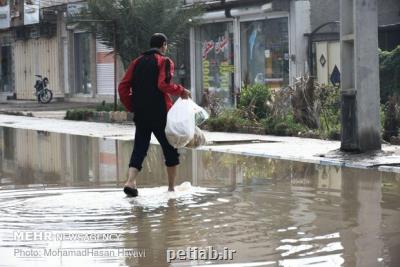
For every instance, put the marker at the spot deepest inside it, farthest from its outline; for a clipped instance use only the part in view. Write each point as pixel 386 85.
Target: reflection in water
pixel 272 212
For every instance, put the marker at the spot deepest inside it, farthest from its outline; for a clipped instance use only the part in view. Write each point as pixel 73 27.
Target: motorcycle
pixel 43 94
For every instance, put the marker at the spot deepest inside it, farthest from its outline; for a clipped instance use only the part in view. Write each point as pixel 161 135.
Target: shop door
pixel 5 69
pixel 83 77
pixel 216 60
pixel 327 62
pixel 36 56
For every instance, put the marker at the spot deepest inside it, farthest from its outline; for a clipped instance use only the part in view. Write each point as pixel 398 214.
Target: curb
pixel 100 116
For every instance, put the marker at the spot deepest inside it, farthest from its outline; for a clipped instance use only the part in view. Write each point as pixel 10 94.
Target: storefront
pixel 84 61
pixel 265 52
pixel 229 53
pixel 6 67
pixel 215 58
pixel 104 69
pixel 6 86
pixel 80 50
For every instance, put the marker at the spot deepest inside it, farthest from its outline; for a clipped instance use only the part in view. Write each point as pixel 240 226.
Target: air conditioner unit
pixel 48 15
pixel 48 30
pixel 21 33
pixel 34 32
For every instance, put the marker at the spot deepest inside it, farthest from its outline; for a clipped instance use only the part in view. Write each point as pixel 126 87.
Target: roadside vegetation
pixel 307 109
pixel 389 69
pixel 101 112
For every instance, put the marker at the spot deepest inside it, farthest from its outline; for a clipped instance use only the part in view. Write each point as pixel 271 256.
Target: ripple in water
pixel 81 215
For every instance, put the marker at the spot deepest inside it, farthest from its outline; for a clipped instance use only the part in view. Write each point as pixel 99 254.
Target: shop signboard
pixel 31 12
pixel 73 9
pixel 4 14
pixel 217 61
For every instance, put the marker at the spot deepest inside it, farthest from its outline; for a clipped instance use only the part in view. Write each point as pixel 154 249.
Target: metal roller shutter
pixel 105 69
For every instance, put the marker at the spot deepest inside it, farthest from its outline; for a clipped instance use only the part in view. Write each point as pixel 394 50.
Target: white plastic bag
pixel 201 114
pixel 180 126
pixel 199 139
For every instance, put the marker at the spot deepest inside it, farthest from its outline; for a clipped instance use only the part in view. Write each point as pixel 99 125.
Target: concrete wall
pixel 299 25
pixel 328 10
pixel 323 11
pixel 388 12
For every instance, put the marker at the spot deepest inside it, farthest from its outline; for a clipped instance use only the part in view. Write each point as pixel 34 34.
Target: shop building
pixel 235 43
pixel 324 54
pixel 35 39
pixel 243 42
pixel 239 43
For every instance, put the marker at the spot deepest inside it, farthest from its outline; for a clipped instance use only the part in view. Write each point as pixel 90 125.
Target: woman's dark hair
pixel 158 40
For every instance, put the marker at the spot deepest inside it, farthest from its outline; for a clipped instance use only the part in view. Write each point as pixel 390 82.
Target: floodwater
pixel 61 204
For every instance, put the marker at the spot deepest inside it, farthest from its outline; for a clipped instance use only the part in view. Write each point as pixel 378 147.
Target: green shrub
pixel 79 114
pixel 255 99
pixel 334 133
pixel 389 72
pixel 382 115
pixel 391 118
pixel 329 101
pixel 229 120
pixel 285 126
pixel 103 106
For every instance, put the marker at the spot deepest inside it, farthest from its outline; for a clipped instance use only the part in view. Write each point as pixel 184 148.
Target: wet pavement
pixel 53 110
pixel 323 152
pixel 61 204
pixel 34 106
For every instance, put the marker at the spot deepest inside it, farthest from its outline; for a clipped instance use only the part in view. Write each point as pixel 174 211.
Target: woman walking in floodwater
pixel 149 79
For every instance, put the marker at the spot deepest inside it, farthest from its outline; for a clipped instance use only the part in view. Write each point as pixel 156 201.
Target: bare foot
pixel 130 184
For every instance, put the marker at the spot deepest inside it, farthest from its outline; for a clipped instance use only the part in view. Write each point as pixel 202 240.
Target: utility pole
pixel 361 127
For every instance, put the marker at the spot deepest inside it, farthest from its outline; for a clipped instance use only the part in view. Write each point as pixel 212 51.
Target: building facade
pixel 325 51
pixel 242 42
pixel 235 43
pixel 35 39
pixel 239 43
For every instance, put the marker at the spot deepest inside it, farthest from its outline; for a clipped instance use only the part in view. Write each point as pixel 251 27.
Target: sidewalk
pixel 275 147
pixel 55 110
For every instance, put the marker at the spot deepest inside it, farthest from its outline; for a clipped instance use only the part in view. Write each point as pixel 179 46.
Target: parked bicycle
pixel 43 94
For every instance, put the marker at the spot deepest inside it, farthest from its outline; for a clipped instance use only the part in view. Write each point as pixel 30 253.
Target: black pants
pixel 142 142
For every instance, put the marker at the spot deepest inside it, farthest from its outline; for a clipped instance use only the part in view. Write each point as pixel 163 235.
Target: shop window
pixel 83 66
pixel 265 52
pixel 9 143
pixel 5 69
pixel 215 60
pixel 14 7
pixel 180 55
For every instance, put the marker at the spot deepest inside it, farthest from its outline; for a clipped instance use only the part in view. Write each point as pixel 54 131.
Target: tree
pixel 135 21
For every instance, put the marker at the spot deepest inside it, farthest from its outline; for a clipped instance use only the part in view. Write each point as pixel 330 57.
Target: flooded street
pixel 61 204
